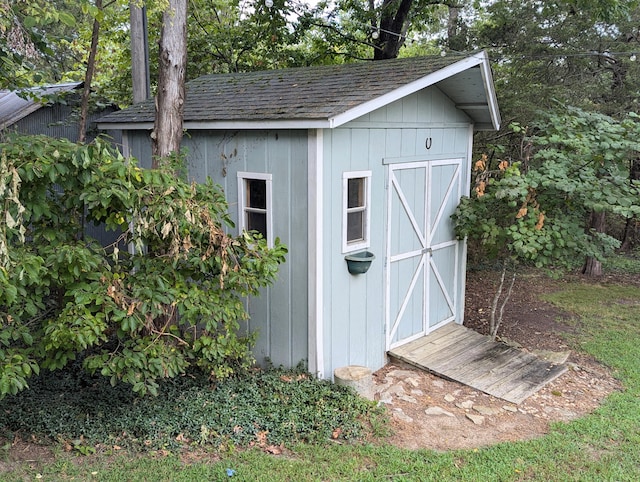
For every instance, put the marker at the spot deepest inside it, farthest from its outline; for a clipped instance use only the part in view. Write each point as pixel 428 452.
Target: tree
pixel 604 151
pixel 580 54
pixel 545 52
pixel 394 20
pixel 535 213
pixel 167 131
pixel 230 36
pixel 24 47
pixel 170 305
pixel 91 67
pixel 354 29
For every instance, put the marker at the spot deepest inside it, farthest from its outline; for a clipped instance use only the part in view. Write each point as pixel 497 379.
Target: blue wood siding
pixel 280 314
pixel 424 126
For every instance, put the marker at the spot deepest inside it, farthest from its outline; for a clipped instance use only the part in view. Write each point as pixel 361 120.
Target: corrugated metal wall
pixel 61 121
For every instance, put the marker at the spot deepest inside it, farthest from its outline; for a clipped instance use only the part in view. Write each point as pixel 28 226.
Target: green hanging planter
pixel 358 263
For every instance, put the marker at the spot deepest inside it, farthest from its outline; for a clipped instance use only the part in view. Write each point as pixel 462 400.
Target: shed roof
pixel 14 107
pixel 324 96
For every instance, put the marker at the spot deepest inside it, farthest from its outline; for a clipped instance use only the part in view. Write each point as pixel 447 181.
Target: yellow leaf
pixel 503 165
pixel 166 229
pixel 540 222
pixel 522 212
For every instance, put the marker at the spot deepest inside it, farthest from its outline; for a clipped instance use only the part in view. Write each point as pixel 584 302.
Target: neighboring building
pixel 52 110
pixel 340 160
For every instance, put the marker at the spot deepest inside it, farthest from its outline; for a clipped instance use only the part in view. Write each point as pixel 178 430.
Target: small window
pixel 356 200
pixel 254 202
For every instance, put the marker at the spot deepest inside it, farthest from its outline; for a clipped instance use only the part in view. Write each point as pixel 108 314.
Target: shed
pixel 340 160
pixel 51 110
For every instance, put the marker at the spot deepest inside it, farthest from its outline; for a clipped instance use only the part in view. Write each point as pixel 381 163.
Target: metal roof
pixel 324 96
pixel 14 107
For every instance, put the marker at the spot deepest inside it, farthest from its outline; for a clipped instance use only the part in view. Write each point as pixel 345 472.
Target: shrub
pixel 166 296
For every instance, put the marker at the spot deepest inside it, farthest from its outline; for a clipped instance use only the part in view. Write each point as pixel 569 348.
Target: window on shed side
pixel 254 202
pixel 356 211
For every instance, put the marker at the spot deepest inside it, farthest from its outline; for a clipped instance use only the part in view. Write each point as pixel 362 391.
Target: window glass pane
pixel 355 192
pixel 257 193
pixel 257 222
pixel 355 226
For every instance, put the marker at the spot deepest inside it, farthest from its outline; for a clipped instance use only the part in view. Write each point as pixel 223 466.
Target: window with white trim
pixel 356 201
pixel 254 204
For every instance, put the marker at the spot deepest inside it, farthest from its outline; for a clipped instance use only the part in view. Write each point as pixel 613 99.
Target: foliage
pixel 262 408
pixel 24 46
pixel 354 29
pixel 231 36
pixel 579 53
pixel 607 325
pixel 535 211
pixel 166 296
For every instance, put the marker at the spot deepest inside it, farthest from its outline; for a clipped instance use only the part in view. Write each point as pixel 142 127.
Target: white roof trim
pixel 125 126
pixel 213 125
pixel 492 100
pixel 409 89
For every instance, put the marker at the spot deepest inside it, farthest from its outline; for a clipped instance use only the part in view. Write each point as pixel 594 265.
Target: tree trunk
pixel 454 40
pixel 139 52
pixel 393 27
pixel 630 226
pixel 597 223
pixel 167 131
pixel 91 67
pixel 497 307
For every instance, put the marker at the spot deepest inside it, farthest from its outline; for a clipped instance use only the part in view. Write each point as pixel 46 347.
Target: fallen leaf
pixel 262 438
pixel 274 449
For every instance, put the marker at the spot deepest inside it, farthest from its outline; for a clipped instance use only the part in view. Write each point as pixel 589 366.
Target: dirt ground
pixel 432 413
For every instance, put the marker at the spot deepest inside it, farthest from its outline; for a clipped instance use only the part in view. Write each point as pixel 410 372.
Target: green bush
pixel 167 296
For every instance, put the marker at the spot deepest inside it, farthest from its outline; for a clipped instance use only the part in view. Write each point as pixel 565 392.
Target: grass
pixel 604 446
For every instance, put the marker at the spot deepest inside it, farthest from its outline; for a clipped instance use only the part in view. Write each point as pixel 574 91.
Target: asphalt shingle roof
pixel 309 93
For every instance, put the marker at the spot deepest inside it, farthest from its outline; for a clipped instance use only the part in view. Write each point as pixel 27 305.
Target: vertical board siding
pixel 354 306
pixel 280 313
pixel 139 147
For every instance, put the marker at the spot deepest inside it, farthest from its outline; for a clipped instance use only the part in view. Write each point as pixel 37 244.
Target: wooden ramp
pixel 457 353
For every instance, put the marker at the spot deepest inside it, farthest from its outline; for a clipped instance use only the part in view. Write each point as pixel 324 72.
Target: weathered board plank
pixel 455 352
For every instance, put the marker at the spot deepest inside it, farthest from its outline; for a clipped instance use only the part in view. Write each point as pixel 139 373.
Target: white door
pixel 422 251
